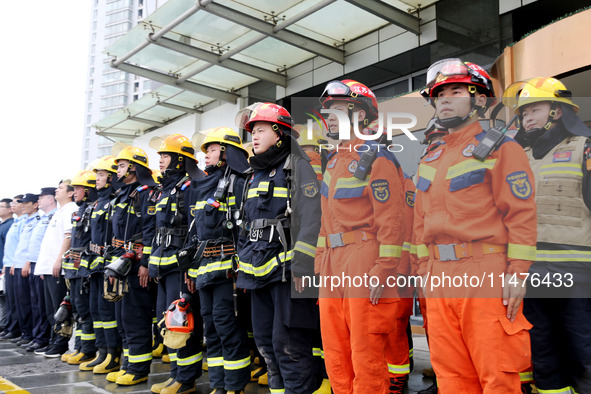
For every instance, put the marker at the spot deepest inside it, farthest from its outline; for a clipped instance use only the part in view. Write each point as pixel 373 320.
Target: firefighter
pixel 281 219
pixel 558 146
pixel 473 218
pixel 108 340
pixel 217 198
pixel 363 229
pixel 177 166
pixel 126 267
pixel 85 195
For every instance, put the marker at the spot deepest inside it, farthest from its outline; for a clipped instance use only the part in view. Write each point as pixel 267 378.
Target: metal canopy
pixel 208 50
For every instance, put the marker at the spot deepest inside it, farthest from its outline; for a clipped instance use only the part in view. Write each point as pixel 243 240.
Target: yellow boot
pixel 324 388
pixel 129 379
pixel 113 376
pixel 264 379
pixel 158 387
pixel 157 351
pixel 257 373
pixel 111 363
pixel 69 354
pixel 204 366
pixel 89 365
pixel 179 388
pixel 80 358
pixel 165 358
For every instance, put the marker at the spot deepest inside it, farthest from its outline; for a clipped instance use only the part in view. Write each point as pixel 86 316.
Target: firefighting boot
pixel 398 385
pixel 179 388
pixel 69 354
pixel 165 358
pixel 220 391
pixel 264 379
pixel 128 379
pixel 81 358
pixel 235 392
pixel 158 387
pixel 111 363
pixel 257 373
pixel 528 388
pixel 89 365
pixel 113 376
pixel 324 388
pixel 157 351
pixel 428 373
pixel 204 366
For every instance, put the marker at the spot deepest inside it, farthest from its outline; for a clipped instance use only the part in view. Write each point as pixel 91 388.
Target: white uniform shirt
pixel 59 226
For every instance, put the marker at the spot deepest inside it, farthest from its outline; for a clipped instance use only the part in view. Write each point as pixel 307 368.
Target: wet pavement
pixel 40 375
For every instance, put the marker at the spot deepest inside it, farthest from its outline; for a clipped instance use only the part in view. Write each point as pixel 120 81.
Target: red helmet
pixel 448 71
pixel 352 92
pixel 263 112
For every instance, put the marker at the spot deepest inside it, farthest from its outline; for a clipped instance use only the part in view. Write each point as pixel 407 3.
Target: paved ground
pixel 40 375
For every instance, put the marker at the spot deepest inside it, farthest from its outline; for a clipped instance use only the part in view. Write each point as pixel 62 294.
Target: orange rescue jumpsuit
pixel 316 163
pixel 369 214
pixel 487 210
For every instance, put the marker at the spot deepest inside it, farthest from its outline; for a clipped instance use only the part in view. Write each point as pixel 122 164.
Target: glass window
pixel 114 101
pixel 419 81
pixel 87 143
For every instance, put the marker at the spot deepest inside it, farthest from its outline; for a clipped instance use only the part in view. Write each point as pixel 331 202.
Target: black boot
pixel 431 389
pixel 111 363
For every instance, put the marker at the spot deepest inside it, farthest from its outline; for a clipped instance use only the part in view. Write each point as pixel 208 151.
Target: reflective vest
pixel 563 217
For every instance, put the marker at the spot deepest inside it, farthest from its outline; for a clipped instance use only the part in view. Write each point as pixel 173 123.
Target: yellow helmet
pixel 304 139
pixel 84 178
pixel 133 155
pixel 536 90
pixel 222 136
pixel 105 163
pixel 177 143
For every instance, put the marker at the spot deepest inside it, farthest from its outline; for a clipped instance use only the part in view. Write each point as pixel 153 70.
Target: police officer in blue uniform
pixel 178 166
pixel 281 221
pixel 108 340
pixel 133 220
pixel 84 196
pixel 217 197
pixel 21 269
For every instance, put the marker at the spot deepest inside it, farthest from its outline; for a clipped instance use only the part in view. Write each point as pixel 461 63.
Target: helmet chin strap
pixel 456 121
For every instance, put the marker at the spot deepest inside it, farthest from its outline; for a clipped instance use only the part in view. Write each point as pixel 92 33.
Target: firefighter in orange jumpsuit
pixel 360 242
pixel 474 220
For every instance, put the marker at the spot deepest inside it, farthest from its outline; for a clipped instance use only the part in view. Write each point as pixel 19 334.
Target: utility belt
pixel 341 239
pixel 454 252
pixel 76 254
pixel 267 230
pixel 135 246
pixel 174 237
pixel 189 256
pixel 98 249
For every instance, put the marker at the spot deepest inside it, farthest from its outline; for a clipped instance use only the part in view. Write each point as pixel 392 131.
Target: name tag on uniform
pixel 560 157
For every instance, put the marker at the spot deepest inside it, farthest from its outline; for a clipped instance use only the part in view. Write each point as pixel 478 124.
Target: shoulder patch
pixel 410 198
pixel 433 156
pixel 152 210
pixel 381 190
pixel 310 188
pixel 520 184
pixel 353 166
pixel 468 150
pixel 193 207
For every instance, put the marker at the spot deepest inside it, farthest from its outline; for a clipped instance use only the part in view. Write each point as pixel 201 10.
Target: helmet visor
pixel 244 115
pixel 444 69
pixel 335 88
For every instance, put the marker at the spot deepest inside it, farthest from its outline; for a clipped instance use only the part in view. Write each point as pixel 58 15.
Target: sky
pixel 44 47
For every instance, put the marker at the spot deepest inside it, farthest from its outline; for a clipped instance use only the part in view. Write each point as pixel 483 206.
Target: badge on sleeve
pixel 410 198
pixel 309 188
pixel 192 207
pixel 332 163
pixel 380 189
pixel 520 185
pixel 151 210
pixel 272 173
pixel 560 157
